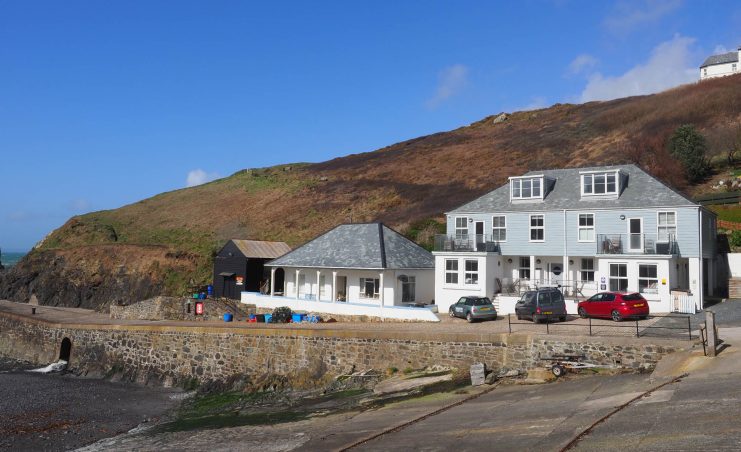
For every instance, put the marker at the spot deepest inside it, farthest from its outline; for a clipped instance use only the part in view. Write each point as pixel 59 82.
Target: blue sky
pixel 106 103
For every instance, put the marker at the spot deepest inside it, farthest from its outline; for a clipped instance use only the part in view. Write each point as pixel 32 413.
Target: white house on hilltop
pixel 585 230
pixel 721 65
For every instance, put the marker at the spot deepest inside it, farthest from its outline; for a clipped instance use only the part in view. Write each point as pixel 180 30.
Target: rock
pixel 508 373
pixel 501 118
pixel 491 378
pixel 539 375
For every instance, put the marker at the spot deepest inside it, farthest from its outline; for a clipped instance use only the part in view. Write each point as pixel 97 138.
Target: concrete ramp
pixel 697 365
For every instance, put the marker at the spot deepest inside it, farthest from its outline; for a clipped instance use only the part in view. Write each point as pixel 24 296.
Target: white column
pixel 695 276
pixel 297 272
pixel 532 269
pixel 318 287
pixel 380 292
pixel 272 282
pixel 334 287
pixel 565 279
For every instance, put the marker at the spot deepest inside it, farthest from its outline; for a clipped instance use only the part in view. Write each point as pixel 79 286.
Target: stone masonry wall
pixel 302 358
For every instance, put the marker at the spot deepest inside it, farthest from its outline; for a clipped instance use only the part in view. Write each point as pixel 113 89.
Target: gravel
pixel 63 412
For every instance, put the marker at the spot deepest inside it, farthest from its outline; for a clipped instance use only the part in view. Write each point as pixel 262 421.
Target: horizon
pixel 105 105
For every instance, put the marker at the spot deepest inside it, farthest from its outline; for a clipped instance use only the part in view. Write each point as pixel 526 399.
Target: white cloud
pixel 198 177
pixel 671 64
pixel 581 63
pixel 720 49
pixel 451 81
pixel 630 15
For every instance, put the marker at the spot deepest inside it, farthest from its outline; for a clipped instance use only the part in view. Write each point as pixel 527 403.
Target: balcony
pixel 466 243
pixel 637 244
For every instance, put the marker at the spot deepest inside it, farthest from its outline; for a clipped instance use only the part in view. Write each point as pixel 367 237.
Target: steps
pixel 734 288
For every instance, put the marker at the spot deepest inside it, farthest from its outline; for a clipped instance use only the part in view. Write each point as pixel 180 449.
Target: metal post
pixel 689 328
pixel 590 326
pixel 637 333
pixel 509 322
pixel 547 325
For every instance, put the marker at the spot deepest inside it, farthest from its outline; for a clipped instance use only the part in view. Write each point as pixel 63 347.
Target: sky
pixel 106 103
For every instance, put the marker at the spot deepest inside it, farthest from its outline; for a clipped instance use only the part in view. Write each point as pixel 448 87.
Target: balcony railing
pixel 636 244
pixel 471 243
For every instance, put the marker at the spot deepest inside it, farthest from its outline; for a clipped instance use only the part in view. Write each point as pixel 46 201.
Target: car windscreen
pixel 481 302
pixel 632 297
pixel 527 297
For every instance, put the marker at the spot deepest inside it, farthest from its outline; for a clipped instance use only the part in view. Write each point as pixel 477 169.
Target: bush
pixel 735 239
pixel 282 315
pixel 688 145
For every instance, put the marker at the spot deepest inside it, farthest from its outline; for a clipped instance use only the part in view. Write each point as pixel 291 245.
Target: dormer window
pixel 600 183
pixel 530 187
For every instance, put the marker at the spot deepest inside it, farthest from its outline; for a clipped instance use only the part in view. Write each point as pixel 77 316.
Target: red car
pixel 615 306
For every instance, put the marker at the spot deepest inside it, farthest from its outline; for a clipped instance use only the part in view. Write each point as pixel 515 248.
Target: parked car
pixel 541 304
pixel 473 308
pixel 615 306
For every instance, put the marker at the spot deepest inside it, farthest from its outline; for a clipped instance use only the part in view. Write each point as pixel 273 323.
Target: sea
pixel 10 259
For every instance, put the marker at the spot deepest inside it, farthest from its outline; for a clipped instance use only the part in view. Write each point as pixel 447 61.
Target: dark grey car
pixel 541 304
pixel 473 308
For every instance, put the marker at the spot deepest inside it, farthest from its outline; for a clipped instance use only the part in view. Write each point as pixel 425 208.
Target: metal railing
pixel 661 325
pixel 569 288
pixel 636 244
pixel 471 243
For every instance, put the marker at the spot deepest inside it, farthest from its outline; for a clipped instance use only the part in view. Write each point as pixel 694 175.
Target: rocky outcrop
pixel 93 277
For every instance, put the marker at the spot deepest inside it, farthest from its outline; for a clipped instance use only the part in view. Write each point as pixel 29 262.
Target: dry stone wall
pixel 299 358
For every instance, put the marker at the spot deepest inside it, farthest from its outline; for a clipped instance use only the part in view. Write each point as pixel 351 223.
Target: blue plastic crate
pixel 297 318
pixel 268 318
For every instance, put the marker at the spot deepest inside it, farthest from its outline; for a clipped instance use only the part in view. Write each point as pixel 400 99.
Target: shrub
pixel 688 145
pixel 282 314
pixel 735 239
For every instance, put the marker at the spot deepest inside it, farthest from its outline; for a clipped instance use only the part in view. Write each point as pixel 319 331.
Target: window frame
pixel 499 229
pixel 583 269
pixel 659 226
pixel 457 228
pixel 376 288
pixel 618 278
pixel 516 184
pixel 592 177
pixel 524 259
pixel 452 272
pixel 532 228
pixel 648 279
pixel 579 228
pixel 411 287
pixel 474 274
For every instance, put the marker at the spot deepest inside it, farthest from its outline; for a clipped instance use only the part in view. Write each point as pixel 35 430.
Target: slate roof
pixel 261 249
pixel 723 58
pixel 361 246
pixel 639 190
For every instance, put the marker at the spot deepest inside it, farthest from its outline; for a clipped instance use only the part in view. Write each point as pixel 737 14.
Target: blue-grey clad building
pixel 585 230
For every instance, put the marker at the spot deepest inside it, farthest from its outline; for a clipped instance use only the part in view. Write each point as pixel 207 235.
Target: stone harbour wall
pixel 301 358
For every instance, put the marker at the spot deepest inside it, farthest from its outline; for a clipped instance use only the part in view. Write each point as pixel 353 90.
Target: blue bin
pixel 210 290
pixel 312 318
pixel 268 318
pixel 228 317
pixel 297 318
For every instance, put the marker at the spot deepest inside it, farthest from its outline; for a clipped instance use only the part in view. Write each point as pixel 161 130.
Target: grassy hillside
pixel 409 184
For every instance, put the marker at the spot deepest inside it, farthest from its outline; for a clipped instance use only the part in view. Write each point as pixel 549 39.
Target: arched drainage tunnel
pixel 65 349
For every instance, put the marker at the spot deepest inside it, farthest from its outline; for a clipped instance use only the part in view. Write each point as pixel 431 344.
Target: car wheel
pixel 582 313
pixel 558 370
pixel 562 318
pixel 469 317
pixel 643 317
pixel 616 316
pixel 452 314
pixel 519 317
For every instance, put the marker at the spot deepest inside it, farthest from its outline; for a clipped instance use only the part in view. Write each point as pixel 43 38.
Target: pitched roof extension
pixel 261 249
pixel 361 246
pixel 723 58
pixel 639 189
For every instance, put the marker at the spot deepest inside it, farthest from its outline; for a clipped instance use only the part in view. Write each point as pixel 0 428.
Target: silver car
pixel 473 308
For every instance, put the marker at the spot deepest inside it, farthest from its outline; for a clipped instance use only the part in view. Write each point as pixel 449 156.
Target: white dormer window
pixel 530 187
pixel 600 183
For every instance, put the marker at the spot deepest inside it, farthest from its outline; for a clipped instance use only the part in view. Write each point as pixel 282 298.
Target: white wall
pixel 720 70
pixel 658 302
pixel 340 308
pixel 490 267
pixel 425 281
pixel 734 264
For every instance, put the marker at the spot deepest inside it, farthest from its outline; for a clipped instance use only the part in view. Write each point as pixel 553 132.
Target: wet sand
pixel 58 412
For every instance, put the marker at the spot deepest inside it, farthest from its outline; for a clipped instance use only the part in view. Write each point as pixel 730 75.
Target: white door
pixel 555 273
pixel 635 234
